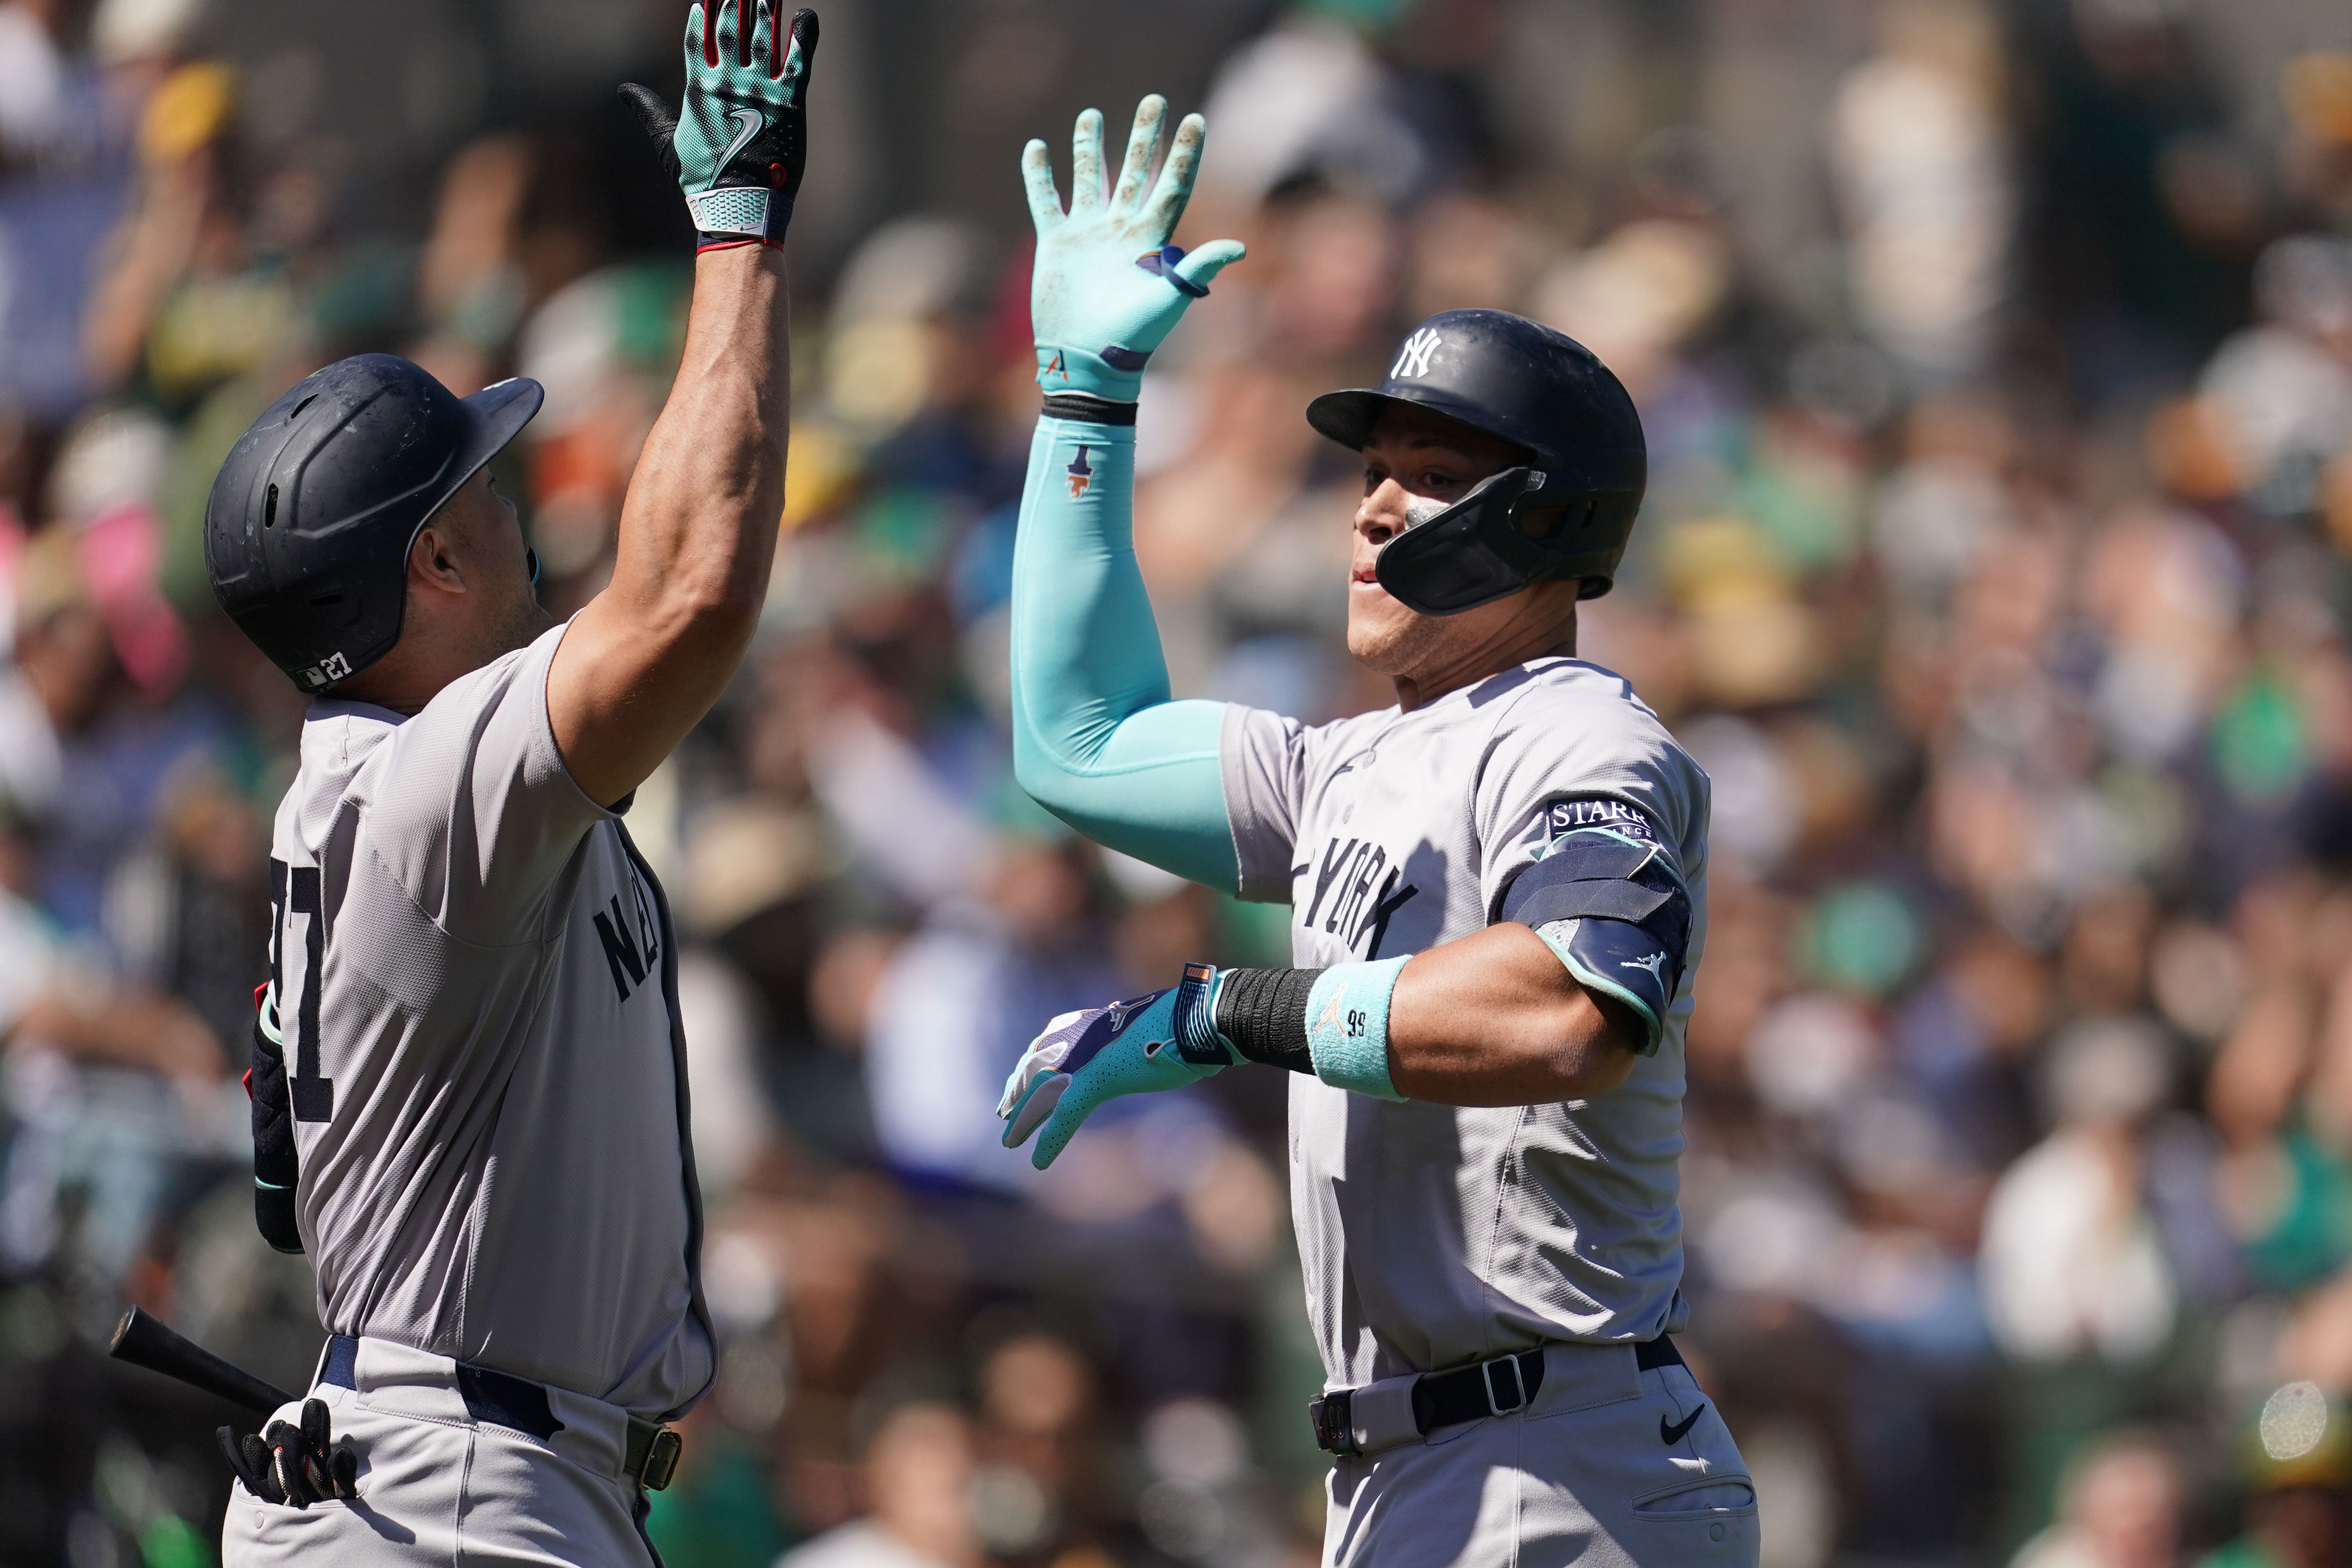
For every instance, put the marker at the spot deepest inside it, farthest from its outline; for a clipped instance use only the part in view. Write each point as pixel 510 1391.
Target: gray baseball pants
pixel 1609 1466
pixel 439 1486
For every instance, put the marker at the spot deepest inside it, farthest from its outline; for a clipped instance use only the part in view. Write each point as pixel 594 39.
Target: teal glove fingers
pixel 1069 1114
pixel 1031 1093
pixel 1162 1041
pixel 1200 266
pixel 1086 157
pixel 1107 287
pixel 740 143
pixel 1037 179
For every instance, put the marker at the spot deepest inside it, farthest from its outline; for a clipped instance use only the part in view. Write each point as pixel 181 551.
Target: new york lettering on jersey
pixel 631 936
pixel 1358 889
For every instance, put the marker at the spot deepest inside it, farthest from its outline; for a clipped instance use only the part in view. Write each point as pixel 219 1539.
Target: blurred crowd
pixel 1997 370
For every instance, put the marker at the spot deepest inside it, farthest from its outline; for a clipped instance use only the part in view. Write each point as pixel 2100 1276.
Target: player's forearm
pixel 698 529
pixel 1494 1019
pixel 642 664
pixel 1491 1020
pixel 1086 649
pixel 1096 739
pixel 648 656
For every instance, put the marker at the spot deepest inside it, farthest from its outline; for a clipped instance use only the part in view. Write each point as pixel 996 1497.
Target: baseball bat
pixel 144 1341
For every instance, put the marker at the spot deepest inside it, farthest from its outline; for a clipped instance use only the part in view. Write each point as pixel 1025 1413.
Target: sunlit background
pixel 1997 366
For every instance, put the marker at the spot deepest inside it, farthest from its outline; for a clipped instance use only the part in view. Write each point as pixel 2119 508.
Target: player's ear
pixel 433 559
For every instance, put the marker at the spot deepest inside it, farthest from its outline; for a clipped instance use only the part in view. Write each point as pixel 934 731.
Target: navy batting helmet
pixel 1582 457
pixel 307 531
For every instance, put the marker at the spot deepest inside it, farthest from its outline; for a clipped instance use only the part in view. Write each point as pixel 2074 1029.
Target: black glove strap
pixel 1086 406
pixel 1263 1013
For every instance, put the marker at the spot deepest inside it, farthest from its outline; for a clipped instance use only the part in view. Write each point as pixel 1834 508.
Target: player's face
pixel 507 613
pixel 1418 463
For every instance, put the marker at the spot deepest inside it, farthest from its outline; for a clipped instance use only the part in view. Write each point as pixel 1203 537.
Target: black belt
pixel 505 1400
pixel 1472 1392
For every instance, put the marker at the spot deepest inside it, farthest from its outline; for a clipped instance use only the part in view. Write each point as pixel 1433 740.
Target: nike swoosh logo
pixel 1673 1435
pixel 752 122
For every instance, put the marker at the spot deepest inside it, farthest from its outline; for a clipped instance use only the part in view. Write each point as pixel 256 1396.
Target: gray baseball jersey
pixel 1432 1235
pixel 473 975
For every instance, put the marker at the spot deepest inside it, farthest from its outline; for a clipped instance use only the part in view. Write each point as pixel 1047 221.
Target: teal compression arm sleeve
pixel 1097 740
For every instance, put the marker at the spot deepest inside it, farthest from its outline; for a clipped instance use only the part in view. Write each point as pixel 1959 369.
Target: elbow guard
pixel 1614 913
pixel 276 1167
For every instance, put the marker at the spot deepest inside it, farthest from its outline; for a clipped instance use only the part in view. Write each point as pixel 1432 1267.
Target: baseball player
pixel 1499 900
pixel 469 1086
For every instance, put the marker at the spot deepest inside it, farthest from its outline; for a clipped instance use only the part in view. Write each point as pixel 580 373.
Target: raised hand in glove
pixel 1108 286
pixel 740 145
pixel 296 1466
pixel 1165 1040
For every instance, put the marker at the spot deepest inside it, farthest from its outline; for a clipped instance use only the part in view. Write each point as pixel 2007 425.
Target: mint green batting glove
pixel 1165 1040
pixel 740 145
pixel 1107 287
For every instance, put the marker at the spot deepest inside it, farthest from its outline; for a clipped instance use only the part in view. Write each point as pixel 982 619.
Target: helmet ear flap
pixel 1553 526
pixel 1543 523
pixel 1471 553
pixel 1482 549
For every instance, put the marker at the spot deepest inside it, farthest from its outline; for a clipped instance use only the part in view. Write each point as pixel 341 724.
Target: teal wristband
pixel 1348 1026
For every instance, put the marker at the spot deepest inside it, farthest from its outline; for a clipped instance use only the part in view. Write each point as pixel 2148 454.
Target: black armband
pixel 1614 911
pixel 1086 406
pixel 1263 1012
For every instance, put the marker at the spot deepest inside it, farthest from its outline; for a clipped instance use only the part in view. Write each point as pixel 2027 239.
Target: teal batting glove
pixel 1165 1040
pixel 740 145
pixel 1107 287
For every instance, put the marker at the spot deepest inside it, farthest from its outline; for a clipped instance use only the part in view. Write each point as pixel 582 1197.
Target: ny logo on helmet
pixel 1413 359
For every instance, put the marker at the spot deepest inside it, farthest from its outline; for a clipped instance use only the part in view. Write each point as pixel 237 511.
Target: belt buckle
pixel 1334 1425
pixel 661 1461
pixel 1518 1386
